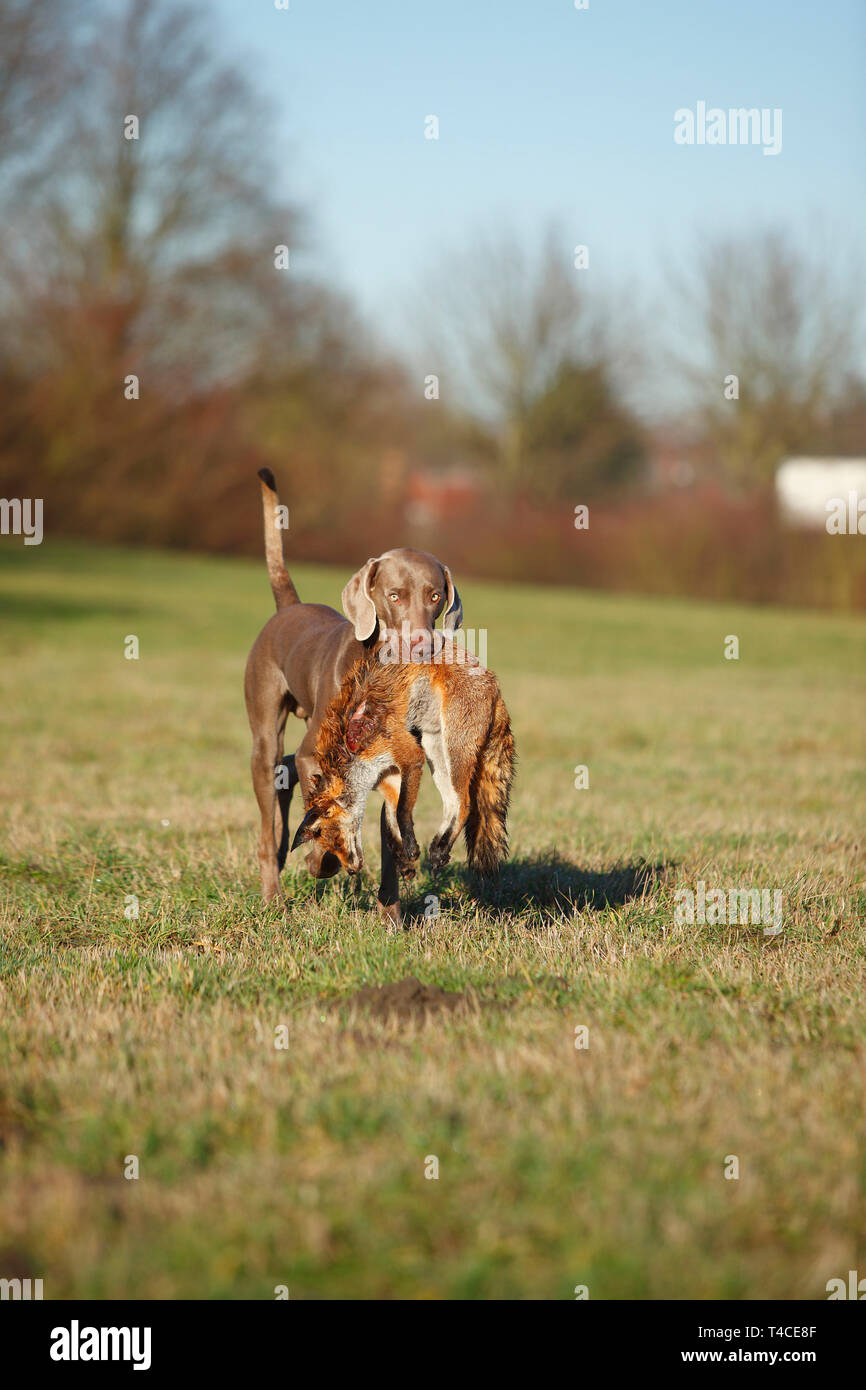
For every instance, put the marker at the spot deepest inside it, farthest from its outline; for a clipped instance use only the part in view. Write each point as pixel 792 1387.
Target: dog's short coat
pixel 298 662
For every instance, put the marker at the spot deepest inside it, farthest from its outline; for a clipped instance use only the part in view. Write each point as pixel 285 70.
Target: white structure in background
pixel 806 489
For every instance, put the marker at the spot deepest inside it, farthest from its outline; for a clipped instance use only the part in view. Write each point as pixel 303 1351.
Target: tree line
pixel 152 355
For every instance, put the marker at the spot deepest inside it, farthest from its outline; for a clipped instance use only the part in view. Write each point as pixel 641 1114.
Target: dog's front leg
pixel 286 782
pixel 388 900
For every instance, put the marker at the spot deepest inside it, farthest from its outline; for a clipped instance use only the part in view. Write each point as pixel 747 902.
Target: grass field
pixel 304 1165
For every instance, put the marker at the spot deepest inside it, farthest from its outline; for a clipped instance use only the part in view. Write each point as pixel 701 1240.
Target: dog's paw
pixel 390 912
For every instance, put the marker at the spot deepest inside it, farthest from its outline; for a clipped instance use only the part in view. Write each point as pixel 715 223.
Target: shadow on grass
pixel 30 609
pixel 549 885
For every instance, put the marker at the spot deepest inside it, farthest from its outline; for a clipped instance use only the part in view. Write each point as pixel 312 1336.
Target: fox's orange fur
pixel 378 731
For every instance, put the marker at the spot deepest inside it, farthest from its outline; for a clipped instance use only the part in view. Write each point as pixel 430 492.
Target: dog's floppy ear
pixel 359 728
pixel 306 830
pixel 452 616
pixel 358 606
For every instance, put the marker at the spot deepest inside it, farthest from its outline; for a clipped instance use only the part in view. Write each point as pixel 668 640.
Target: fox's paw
pixel 411 849
pixel 440 853
pixel 407 855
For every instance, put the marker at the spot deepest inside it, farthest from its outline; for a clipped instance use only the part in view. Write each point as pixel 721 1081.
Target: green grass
pixel 305 1165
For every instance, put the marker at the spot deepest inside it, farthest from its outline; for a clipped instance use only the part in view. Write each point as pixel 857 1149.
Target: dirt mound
pixel 407 1000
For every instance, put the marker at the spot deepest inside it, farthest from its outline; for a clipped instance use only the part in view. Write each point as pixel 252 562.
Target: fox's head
pixel 331 821
pixel 352 764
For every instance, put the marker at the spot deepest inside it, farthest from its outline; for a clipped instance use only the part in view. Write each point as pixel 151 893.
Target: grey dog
pixel 297 663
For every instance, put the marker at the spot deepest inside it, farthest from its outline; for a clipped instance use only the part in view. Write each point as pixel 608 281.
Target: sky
pixel 550 113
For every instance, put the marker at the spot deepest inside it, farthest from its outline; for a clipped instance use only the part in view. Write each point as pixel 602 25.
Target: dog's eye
pixel 395 598
pixel 434 598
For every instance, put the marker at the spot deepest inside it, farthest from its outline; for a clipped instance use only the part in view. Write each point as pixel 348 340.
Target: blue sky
pixel 547 112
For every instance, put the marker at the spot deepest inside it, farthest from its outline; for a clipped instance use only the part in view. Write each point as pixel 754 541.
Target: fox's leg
pixel 410 760
pixel 411 781
pixel 389 786
pixel 400 792
pixel 451 773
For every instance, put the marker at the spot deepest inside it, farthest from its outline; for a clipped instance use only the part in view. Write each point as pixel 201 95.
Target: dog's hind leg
pixel 262 763
pixel 267 709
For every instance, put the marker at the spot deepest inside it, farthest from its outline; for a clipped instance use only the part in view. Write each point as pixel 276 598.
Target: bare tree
pixel 787 325
pixel 507 326
pixel 141 244
pixel 156 231
pixel 34 76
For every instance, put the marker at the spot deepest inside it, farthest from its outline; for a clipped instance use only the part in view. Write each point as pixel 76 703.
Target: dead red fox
pixel 378 731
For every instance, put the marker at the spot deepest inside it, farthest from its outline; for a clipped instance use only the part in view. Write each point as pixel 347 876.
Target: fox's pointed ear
pixel 306 830
pixel 359 728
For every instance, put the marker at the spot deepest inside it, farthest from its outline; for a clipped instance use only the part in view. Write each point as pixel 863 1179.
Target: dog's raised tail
pixel 486 829
pixel 284 590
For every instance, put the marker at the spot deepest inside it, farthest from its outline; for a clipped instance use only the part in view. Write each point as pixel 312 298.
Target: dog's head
pixel 402 587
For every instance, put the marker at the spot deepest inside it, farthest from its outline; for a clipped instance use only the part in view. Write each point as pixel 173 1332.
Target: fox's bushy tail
pixel 486 829
pixel 283 589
